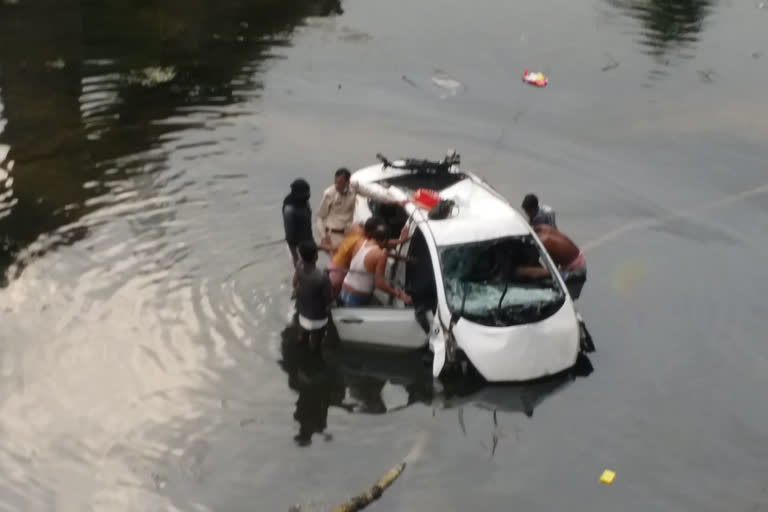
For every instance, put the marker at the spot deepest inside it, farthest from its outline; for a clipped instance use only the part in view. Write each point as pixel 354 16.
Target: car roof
pixel 481 213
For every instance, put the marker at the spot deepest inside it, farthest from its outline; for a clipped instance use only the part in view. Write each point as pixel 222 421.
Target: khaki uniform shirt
pixel 337 210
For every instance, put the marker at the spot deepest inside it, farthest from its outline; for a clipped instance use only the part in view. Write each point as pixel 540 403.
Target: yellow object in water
pixel 363 500
pixel 607 477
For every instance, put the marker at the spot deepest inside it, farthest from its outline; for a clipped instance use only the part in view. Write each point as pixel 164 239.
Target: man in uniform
pixel 337 208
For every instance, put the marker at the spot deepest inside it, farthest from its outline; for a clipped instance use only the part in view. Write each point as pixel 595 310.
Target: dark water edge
pixel 74 101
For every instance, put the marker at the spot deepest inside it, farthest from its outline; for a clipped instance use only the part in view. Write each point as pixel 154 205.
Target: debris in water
pixel 408 81
pixel 705 75
pixel 761 5
pixel 537 79
pixel 244 24
pixel 607 477
pixel 159 481
pixel 449 84
pixel 757 55
pixel 56 64
pixel 361 501
pixel 151 76
pixel 308 507
pixel 352 35
pixel 246 422
pixel 613 64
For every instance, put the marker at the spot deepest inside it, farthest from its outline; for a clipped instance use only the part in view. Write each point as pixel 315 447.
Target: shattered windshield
pixel 480 282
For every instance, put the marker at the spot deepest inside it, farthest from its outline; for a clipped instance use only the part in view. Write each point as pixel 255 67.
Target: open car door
pixel 379 325
pixel 388 323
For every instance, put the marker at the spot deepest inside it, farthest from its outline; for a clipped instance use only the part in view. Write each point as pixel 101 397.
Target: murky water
pixel 145 362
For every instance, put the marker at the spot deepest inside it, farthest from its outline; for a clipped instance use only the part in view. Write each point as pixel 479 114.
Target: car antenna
pixel 385 163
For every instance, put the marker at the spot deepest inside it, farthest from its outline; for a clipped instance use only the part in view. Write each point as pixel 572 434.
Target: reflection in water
pixel 318 384
pixel 117 116
pixel 376 382
pixel 669 27
pixel 90 91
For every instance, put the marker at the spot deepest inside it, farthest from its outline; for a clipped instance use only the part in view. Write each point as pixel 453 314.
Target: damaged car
pixel 468 306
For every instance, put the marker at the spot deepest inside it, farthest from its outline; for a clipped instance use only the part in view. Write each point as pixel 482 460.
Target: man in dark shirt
pixel 297 217
pixel 313 295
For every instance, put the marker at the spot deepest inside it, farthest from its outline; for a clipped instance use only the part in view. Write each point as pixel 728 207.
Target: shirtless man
pixel 565 254
pixel 366 271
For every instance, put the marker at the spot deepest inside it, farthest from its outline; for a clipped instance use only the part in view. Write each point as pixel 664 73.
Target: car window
pixel 420 274
pixel 480 282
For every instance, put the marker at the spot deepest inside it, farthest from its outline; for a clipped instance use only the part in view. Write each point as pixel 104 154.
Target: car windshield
pixel 480 282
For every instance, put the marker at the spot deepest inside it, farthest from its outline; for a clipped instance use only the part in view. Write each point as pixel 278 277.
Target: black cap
pixel 300 188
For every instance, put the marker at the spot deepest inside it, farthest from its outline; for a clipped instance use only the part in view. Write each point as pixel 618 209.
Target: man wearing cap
pixel 337 208
pixel 297 217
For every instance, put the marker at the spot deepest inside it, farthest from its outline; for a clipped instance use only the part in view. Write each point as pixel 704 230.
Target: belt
pixel 338 231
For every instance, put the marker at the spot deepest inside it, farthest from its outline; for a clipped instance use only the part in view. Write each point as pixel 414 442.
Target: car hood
pixel 521 352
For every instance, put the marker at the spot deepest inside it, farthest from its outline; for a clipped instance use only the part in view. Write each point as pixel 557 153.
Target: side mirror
pixel 574 281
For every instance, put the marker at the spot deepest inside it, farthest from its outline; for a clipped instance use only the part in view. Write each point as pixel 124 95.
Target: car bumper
pixel 521 352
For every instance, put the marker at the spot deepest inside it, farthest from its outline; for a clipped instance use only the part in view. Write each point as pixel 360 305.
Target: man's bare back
pixel 561 248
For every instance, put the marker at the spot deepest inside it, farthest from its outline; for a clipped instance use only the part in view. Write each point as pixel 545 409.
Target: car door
pixel 379 325
pixel 390 324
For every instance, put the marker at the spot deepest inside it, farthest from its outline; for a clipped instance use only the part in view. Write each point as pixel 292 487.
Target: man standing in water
pixel 337 208
pixel 297 217
pixel 538 214
pixel 565 254
pixel 313 295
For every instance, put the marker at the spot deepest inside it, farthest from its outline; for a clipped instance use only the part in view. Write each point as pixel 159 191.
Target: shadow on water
pixel 84 85
pixel 368 381
pixel 670 28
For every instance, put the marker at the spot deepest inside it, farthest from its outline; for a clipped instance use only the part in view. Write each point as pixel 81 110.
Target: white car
pixel 463 305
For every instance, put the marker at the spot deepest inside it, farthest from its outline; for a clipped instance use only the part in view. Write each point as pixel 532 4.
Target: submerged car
pixel 467 304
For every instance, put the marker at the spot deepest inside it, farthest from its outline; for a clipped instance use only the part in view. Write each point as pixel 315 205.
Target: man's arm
pixel 532 272
pixel 289 225
pixel 381 282
pixel 406 259
pixel 394 242
pixel 322 214
pixel 371 193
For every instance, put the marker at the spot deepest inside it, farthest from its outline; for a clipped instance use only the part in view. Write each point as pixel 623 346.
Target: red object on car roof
pixel 425 198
